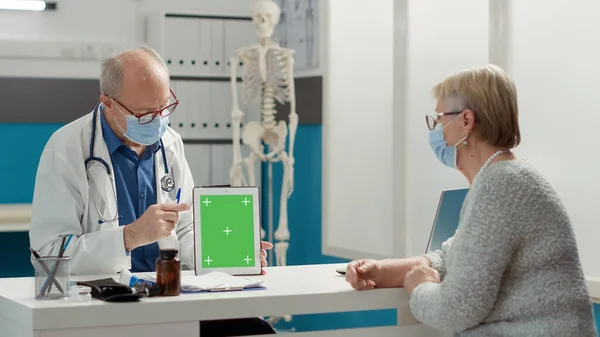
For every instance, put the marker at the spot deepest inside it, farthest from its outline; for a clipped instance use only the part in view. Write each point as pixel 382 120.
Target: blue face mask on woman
pixel 445 153
pixel 144 134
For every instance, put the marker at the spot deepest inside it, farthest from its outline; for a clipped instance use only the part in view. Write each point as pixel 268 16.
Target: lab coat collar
pixel 110 137
pixel 169 138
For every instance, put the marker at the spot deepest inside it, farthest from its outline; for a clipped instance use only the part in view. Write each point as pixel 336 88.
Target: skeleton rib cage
pixel 274 88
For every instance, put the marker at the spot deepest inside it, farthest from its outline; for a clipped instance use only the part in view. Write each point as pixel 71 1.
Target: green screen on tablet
pixel 227 230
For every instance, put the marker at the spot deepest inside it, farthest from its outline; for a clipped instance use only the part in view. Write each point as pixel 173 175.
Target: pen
pixel 66 245
pixel 63 247
pixel 178 197
pixel 61 251
pixel 37 256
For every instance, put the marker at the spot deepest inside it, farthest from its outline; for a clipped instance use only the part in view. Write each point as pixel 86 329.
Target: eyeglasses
pixel 147 117
pixel 433 119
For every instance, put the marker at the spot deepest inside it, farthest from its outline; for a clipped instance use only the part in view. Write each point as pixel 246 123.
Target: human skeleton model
pixel 268 75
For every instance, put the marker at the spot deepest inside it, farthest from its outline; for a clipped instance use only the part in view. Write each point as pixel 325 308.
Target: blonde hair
pixel 492 95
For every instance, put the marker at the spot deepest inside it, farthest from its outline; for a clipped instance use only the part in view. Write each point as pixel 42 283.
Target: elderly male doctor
pixel 111 177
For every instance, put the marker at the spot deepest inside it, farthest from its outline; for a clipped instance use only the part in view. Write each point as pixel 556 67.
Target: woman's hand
pixel 418 275
pixel 364 274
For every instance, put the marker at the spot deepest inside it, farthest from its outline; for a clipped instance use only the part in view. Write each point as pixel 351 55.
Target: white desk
pixel 290 290
pixel 593 284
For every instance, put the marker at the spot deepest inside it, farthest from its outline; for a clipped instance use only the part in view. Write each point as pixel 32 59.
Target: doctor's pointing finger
pixel 156 223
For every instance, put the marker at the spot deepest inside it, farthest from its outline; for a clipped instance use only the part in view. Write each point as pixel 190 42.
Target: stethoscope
pixel 167 183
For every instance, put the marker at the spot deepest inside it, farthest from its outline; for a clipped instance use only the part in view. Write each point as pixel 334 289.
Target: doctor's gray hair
pixel 111 71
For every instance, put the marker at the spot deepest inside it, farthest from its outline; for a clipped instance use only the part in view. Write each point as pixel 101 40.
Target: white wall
pixel 547 47
pixel 357 132
pixel 381 181
pixel 110 20
pixel 120 22
pixel 444 36
pixel 74 19
pixel 556 67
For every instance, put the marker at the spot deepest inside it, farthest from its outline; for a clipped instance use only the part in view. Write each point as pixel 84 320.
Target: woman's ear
pixel 468 120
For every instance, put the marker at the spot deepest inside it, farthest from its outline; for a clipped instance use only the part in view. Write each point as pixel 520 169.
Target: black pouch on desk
pixel 110 290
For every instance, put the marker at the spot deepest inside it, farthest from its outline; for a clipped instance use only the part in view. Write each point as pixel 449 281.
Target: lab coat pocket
pixel 167 197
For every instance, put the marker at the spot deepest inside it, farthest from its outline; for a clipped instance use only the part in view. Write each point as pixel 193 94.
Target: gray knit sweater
pixel 512 267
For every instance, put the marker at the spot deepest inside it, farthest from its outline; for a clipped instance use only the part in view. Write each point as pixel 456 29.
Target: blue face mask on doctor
pixel 445 153
pixel 144 134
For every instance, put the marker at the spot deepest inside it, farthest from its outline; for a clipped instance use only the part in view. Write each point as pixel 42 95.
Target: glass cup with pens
pixel 52 274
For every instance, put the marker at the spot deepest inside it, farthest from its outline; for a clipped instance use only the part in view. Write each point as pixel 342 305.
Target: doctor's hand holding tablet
pixel 158 221
pixel 264 246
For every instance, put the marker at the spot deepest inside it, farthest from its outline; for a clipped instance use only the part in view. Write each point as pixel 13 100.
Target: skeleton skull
pixel 265 16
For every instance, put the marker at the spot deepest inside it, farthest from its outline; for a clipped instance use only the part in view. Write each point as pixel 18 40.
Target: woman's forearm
pixel 394 270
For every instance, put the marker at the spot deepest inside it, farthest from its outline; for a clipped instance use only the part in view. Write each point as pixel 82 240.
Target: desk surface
pixel 593 284
pixel 311 289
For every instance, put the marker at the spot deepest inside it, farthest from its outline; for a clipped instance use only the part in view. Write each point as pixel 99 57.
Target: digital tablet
pixel 227 230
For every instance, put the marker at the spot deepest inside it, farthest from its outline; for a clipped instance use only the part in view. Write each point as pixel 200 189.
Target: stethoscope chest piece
pixel 167 184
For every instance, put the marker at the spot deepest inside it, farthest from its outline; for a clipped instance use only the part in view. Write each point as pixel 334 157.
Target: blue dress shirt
pixel 136 190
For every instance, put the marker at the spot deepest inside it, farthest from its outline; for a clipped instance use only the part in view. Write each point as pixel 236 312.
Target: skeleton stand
pixel 268 76
pixel 270 200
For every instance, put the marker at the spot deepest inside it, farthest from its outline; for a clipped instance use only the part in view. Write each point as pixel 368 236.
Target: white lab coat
pixel 62 203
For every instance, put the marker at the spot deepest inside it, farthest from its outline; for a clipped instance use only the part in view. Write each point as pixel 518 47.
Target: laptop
pixel 446 218
pixel 445 221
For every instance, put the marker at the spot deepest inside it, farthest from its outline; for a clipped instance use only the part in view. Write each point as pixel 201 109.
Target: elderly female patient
pixel 512 268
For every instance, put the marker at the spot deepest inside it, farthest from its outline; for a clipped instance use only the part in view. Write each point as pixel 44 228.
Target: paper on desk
pixel 214 281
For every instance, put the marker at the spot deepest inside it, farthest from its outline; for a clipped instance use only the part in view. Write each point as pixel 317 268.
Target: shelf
pixel 206 78
pixel 10 227
pixel 15 217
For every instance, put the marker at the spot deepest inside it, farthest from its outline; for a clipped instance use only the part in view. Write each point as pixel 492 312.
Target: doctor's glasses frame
pixel 147 117
pixel 434 118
